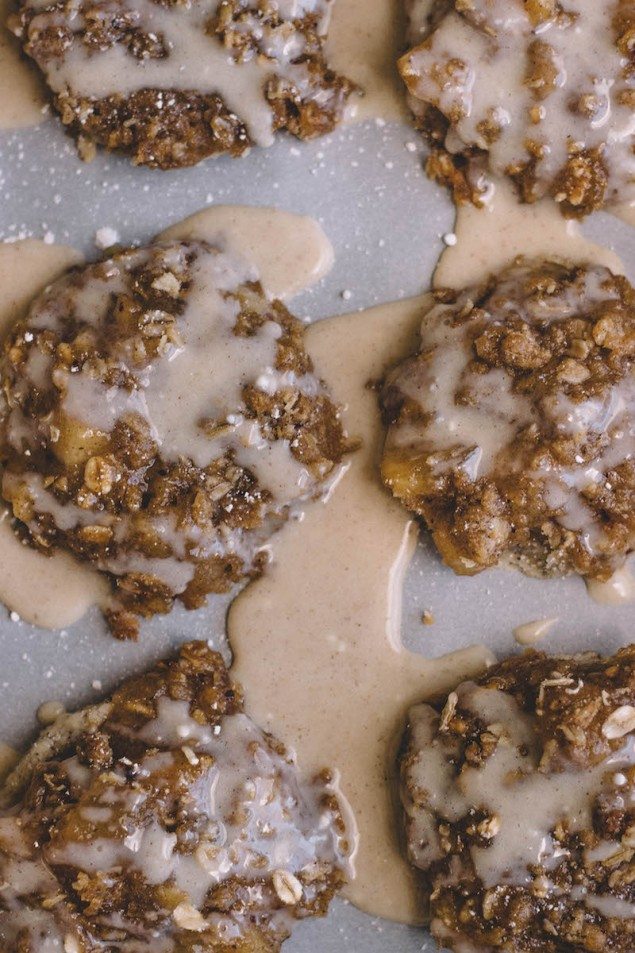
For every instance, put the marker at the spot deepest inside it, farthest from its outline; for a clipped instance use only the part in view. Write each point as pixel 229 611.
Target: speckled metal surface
pixel 386 220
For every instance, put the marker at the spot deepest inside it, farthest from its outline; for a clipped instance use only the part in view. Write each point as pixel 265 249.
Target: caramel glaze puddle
pixel 24 100
pixel 365 40
pixel 316 640
pixel 326 616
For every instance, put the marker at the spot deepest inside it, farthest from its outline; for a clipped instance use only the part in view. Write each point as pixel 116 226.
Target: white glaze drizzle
pixel 481 432
pixel 473 68
pixel 254 817
pixel 199 376
pixel 196 58
pixel 524 803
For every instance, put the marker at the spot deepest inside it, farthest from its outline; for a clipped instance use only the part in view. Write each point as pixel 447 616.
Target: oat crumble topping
pixel 537 90
pixel 165 819
pixel 160 418
pixel 520 806
pixel 512 431
pixel 170 83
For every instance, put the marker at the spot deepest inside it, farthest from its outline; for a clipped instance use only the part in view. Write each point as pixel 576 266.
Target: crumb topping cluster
pixel 538 90
pixel 519 794
pixel 165 819
pixel 160 417
pixel 171 83
pixel 512 431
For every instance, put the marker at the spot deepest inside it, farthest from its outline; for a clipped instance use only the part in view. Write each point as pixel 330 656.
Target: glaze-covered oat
pixel 519 797
pixel 165 819
pixel 172 83
pixel 538 90
pixel 512 431
pixel 160 418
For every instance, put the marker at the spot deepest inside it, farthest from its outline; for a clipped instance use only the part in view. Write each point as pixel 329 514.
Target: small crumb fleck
pixel 619 723
pixel 71 944
pixel 106 237
pixel 347 294
pixel 14 616
pixel 449 238
pixel 49 712
pixel 189 754
pixel 287 886
pixel 188 917
pixel 427 618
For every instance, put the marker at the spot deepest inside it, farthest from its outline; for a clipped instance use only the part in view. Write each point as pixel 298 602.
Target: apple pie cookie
pixel 512 431
pixel 165 819
pixel 161 419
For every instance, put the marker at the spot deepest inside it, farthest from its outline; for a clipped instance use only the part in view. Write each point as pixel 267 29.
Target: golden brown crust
pixel 194 127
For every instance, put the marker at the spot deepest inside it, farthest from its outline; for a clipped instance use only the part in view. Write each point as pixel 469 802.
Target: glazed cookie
pixel 165 819
pixel 519 796
pixel 161 419
pixel 172 83
pixel 540 91
pixel 512 431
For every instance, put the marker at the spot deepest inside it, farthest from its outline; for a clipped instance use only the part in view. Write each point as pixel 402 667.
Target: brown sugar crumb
pixel 170 84
pixel 565 126
pixel 111 839
pixel 161 418
pixel 511 432
pixel 518 792
pixel 427 618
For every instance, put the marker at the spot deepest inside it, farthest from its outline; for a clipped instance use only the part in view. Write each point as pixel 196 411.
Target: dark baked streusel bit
pixel 172 83
pixel 519 796
pixel 165 819
pixel 160 417
pixel 538 90
pixel 512 431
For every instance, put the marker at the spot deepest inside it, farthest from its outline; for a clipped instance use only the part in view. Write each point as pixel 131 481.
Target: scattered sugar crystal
pixel 106 236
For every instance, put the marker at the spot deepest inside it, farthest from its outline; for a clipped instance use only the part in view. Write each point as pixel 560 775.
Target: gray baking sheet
pixel 386 221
